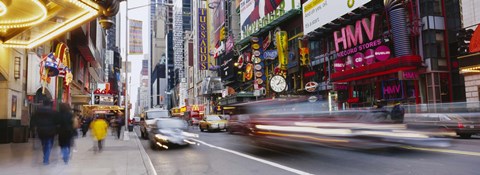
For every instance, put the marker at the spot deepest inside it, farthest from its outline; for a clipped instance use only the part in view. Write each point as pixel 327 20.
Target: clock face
pixel 278 83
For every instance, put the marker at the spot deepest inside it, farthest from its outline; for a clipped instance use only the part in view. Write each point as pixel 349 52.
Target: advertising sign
pixel 202 38
pixel 282 49
pixel 256 14
pixel 317 13
pixel 218 20
pixel 135 37
pixel 392 89
pixel 144 67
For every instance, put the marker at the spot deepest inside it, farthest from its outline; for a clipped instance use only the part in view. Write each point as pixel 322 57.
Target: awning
pixel 28 23
pixel 381 68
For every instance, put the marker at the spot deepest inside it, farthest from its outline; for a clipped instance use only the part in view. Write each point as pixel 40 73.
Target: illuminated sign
pixel 202 38
pixel 317 13
pixel 282 48
pixel 392 89
pixel 257 14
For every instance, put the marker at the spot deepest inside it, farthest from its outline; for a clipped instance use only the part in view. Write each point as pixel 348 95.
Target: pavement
pixel 119 157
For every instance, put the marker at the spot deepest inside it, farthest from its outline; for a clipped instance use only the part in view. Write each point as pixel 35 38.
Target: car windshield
pixel 169 124
pixel 157 114
pixel 213 118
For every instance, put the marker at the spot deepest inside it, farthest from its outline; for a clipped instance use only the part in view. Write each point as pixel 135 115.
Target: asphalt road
pixel 220 153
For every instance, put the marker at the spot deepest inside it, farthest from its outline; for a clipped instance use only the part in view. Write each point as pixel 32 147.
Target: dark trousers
pixel 119 131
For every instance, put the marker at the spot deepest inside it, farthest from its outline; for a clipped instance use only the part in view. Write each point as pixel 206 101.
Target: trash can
pixel 130 128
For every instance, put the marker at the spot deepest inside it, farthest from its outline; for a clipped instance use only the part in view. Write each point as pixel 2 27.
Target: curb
pixel 146 159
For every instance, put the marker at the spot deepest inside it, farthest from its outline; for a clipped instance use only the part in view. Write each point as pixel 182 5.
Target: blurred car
pixel 169 132
pixel 149 120
pixel 212 123
pixel 463 124
pixel 238 124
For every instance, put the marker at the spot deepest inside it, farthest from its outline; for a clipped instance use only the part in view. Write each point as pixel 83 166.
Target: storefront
pixel 368 58
pixel 470 68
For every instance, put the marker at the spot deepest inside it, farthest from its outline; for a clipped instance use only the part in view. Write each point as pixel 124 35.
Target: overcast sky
pixel 141 14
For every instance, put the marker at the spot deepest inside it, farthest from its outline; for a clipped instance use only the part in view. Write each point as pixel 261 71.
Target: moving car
pixel 149 119
pixel 463 124
pixel 238 124
pixel 169 132
pixel 212 122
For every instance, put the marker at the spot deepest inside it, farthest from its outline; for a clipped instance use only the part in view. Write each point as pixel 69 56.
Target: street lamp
pixel 126 57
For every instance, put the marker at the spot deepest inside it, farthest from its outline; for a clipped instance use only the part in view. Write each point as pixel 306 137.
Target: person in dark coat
pixel 45 122
pixel 85 125
pixel 65 130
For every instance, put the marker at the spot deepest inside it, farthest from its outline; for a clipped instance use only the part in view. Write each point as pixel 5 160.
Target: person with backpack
pixel 66 130
pixel 45 120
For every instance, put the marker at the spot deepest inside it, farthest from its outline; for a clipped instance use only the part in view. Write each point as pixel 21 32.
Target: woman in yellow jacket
pixel 99 130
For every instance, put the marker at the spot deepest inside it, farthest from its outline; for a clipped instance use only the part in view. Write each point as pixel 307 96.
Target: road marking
pixel 469 153
pixel 256 159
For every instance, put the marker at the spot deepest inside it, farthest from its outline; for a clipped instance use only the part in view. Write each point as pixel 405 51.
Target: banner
pixel 317 13
pixel 257 14
pixel 135 37
pixel 218 21
pixel 144 67
pixel 202 38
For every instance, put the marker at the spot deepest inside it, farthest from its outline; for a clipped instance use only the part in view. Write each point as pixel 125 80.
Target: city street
pixel 223 153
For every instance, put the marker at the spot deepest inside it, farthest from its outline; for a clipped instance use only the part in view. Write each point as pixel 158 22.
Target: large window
pixel 430 8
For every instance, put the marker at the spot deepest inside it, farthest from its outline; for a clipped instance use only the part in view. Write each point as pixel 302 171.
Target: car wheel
pixel 201 129
pixel 153 146
pixel 465 136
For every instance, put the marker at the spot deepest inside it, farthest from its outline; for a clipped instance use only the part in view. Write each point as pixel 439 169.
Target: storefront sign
pixel 358 59
pixel 317 13
pixel 257 14
pixel 309 74
pixel 349 40
pixel 408 75
pixel 203 38
pixel 270 54
pixel 392 89
pixel 382 53
pixel 474 45
pixel 339 65
pixel 282 48
pixel 369 57
pixel 311 86
pixel 340 87
pixel 349 63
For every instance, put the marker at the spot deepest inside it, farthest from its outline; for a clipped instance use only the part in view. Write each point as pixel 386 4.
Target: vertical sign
pixel 135 37
pixel 202 38
pixel 14 106
pixel 145 67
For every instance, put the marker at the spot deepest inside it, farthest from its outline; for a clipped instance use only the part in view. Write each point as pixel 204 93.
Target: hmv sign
pixel 357 44
pixel 392 89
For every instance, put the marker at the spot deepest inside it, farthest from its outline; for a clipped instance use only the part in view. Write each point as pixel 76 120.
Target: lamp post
pixel 126 59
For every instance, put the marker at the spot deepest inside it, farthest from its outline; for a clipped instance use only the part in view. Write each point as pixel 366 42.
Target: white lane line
pixel 256 159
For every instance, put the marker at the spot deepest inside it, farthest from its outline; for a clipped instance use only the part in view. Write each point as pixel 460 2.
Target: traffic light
pixel 463 37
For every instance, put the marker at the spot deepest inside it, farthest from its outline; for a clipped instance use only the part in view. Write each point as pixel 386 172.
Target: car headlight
pixel 188 134
pixel 161 137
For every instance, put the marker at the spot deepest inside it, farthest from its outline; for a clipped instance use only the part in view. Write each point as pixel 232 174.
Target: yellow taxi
pixel 212 123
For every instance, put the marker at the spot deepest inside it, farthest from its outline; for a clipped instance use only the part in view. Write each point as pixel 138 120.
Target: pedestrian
pixel 99 129
pixel 85 125
pixel 45 121
pixel 113 125
pixel 398 112
pixel 120 123
pixel 65 130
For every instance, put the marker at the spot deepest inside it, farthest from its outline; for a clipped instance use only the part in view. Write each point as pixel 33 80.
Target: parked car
pixel 212 122
pixel 239 124
pixel 149 119
pixel 463 124
pixel 169 132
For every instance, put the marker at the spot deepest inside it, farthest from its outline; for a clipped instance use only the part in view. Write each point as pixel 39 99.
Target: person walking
pixel 99 129
pixel 85 125
pixel 120 122
pixel 65 130
pixel 45 122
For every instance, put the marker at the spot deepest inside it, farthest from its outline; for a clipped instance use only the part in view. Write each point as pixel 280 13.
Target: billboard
pixel 317 13
pixel 218 20
pixel 135 45
pixel 144 67
pixel 256 14
pixel 202 39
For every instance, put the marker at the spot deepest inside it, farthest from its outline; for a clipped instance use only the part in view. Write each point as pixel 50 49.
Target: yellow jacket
pixel 99 129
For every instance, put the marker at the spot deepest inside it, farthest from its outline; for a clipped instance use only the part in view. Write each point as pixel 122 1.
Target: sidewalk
pixel 119 157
